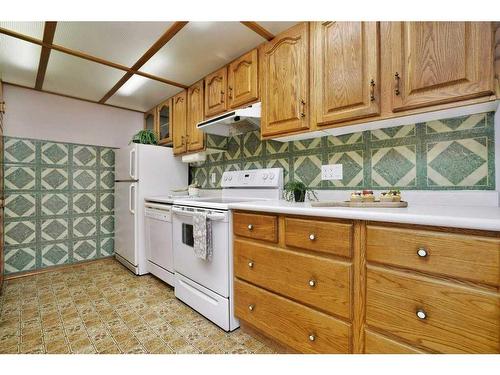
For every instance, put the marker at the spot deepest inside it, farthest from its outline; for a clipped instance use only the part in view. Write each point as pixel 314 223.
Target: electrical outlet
pixel 212 178
pixel 331 172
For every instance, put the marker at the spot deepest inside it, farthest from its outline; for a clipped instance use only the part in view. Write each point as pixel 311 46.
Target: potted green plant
pixel 297 191
pixel 146 137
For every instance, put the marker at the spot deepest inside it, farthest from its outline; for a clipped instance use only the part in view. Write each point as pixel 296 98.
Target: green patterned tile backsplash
pixel 59 203
pixel 451 154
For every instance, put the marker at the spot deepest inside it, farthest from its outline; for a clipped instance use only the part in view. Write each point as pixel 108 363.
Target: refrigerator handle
pixel 132 164
pixel 131 199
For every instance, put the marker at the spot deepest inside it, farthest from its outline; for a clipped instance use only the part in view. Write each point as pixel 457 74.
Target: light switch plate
pixel 212 178
pixel 332 172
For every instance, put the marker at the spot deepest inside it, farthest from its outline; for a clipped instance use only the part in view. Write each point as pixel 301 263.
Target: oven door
pixel 214 273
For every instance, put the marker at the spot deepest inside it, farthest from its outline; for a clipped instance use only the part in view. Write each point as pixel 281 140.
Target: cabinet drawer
pixel 260 227
pixel 453 318
pixel 292 324
pixel 324 236
pixel 314 280
pixel 470 257
pixel 377 344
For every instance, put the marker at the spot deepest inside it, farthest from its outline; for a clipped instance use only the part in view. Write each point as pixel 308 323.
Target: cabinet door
pixel 345 63
pixel 194 116
pixel 439 62
pixel 150 120
pixel 165 122
pixel 215 93
pixel 179 118
pixel 242 80
pixel 285 82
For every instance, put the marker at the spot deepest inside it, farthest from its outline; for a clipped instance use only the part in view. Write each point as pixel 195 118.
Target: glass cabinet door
pixel 164 121
pixel 149 121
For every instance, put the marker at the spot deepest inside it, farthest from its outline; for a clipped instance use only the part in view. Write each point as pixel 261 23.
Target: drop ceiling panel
pixel 142 93
pixel 276 27
pixel 200 48
pixel 33 29
pixel 18 61
pixel 120 42
pixel 73 76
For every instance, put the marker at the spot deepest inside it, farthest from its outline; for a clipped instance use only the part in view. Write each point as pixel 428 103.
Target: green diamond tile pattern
pixel 59 203
pixel 457 163
pixel 54 153
pixel 411 156
pixel 394 167
pixel 19 151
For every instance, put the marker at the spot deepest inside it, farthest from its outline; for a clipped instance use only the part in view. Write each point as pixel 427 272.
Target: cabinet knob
pixel 312 237
pixel 422 252
pixel 250 227
pixel 251 307
pixel 312 283
pixel 421 314
pixel 312 337
pixel 250 264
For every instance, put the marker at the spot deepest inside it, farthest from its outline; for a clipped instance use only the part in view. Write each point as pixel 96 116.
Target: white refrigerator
pixel 141 171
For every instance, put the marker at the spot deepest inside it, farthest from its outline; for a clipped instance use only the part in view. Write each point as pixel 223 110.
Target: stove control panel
pixel 270 177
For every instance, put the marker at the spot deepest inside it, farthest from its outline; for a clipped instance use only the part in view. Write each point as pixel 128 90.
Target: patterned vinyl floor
pixel 101 307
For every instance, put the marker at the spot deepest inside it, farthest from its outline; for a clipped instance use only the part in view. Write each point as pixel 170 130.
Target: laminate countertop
pixel 467 217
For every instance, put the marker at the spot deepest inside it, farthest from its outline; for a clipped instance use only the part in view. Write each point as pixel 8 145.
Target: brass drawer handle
pixel 250 264
pixel 251 307
pixel 230 92
pixel 312 237
pixel 250 227
pixel 312 283
pixel 421 314
pixel 397 78
pixel 312 337
pixel 372 90
pixel 422 252
pixel 303 109
pixel 222 96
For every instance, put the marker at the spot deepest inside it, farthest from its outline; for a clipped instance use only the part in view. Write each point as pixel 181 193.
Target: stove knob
pixel 230 178
pixel 271 176
pixel 225 178
pixel 264 176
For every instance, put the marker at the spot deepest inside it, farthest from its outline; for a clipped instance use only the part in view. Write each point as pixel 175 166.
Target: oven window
pixel 187 234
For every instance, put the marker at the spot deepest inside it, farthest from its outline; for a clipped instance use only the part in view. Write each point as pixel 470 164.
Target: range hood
pixel 235 122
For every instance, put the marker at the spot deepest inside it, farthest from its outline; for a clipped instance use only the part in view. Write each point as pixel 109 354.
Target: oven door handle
pixel 212 216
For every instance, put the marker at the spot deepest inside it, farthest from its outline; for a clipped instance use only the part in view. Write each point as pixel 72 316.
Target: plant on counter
pixel 145 137
pixel 297 191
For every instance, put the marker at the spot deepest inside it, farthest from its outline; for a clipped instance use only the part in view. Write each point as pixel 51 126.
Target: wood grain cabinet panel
pixel 319 235
pixel 164 113
pixel 285 82
pixel 195 114
pixel 256 226
pixel 379 344
pixel 294 325
pixel 242 80
pixel 440 62
pixel 317 281
pixel 438 315
pixel 150 121
pixel 470 257
pixel 345 64
pixel 179 122
pixel 215 92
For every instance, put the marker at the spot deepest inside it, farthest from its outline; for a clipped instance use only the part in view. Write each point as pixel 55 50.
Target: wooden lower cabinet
pixel 292 324
pixel 378 296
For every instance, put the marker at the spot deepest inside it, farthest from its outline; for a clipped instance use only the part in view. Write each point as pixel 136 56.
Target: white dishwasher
pixel 159 245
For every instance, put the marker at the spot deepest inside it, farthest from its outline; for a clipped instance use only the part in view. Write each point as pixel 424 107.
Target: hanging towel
pixel 202 236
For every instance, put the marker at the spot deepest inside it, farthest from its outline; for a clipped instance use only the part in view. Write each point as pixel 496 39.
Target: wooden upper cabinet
pixel 440 62
pixel 195 114
pixel 150 118
pixel 179 121
pixel 165 122
pixel 215 93
pixel 345 71
pixel 285 82
pixel 242 80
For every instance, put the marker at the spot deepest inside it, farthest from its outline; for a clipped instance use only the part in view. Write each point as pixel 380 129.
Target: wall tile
pixel 449 154
pixel 59 203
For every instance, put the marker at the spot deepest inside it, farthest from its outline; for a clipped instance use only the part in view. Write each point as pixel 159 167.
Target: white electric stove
pixel 207 285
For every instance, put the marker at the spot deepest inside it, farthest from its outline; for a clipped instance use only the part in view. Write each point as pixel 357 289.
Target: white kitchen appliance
pixel 158 236
pixel 140 171
pixel 207 285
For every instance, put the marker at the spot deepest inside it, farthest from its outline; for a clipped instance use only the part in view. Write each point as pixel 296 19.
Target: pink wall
pixel 33 114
